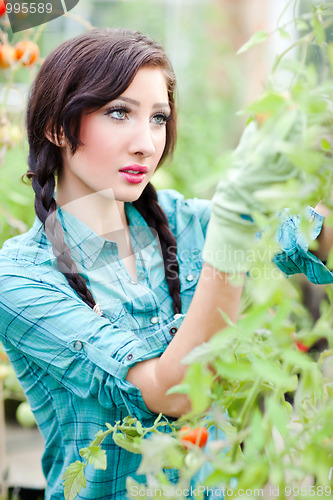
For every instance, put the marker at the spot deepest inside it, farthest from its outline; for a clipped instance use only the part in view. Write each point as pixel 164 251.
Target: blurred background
pixel 202 38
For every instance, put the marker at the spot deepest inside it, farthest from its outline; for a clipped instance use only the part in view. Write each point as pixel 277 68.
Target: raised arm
pixel 256 164
pixel 203 319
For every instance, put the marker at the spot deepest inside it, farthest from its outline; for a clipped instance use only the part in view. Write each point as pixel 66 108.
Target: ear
pixel 57 141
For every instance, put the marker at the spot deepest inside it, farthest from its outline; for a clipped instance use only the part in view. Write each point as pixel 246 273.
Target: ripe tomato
pixel 302 347
pixel 197 436
pixel 7 56
pixel 2 8
pixel 28 51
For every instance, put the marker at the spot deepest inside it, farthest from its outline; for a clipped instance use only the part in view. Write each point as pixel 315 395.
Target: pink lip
pixel 137 168
pixel 134 178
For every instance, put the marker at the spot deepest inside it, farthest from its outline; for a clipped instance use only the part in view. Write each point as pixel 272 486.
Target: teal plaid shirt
pixel 71 362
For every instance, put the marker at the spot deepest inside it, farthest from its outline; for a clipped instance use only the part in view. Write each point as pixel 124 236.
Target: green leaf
pixel 100 436
pixel 160 451
pixel 179 389
pixel 74 480
pixel 270 372
pixel 139 427
pixel 129 420
pixel 301 25
pixel 278 416
pixel 307 160
pixel 200 379
pixel 325 144
pixel 268 103
pixel 94 456
pixel 225 472
pixel 254 475
pixel 126 442
pixel 319 31
pixel 284 34
pixel 258 37
pixel 238 370
pixel 298 359
pixel 255 442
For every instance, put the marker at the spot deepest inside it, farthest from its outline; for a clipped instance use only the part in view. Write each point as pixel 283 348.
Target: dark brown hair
pixel 85 73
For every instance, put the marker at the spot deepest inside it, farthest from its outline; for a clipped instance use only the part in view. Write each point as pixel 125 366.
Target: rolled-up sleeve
pixel 295 256
pixel 81 351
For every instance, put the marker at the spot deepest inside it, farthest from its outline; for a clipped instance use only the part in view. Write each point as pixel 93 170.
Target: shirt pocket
pixel 190 269
pixel 115 312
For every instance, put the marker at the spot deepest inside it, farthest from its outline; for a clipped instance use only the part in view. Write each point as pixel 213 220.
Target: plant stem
pixel 243 416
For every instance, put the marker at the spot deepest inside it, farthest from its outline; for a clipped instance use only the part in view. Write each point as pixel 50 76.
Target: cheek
pixel 94 136
pixel 160 142
pixel 99 147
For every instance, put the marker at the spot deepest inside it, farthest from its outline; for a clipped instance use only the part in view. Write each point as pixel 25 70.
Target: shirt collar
pixel 85 245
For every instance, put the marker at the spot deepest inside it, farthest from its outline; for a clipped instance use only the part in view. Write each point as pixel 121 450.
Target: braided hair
pixel 84 73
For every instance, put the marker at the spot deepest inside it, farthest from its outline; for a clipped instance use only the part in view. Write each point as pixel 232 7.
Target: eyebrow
pixel 137 103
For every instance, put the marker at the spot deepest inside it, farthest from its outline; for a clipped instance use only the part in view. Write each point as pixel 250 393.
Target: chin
pixel 129 195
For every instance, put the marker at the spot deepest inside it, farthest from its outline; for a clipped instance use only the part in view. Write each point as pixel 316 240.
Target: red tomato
pixel 28 51
pixel 302 347
pixel 197 436
pixel 7 56
pixel 2 8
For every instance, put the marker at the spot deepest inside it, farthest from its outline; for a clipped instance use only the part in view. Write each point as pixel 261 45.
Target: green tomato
pixel 4 372
pixel 24 415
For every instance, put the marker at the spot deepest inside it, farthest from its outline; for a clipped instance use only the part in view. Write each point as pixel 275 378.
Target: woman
pixel 93 294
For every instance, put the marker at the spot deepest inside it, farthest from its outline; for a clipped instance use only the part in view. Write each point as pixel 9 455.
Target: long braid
pixel 155 217
pixel 42 172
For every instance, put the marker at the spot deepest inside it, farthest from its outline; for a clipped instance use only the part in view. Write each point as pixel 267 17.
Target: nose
pixel 142 142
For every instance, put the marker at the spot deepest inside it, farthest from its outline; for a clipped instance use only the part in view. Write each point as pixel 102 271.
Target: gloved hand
pixel 259 161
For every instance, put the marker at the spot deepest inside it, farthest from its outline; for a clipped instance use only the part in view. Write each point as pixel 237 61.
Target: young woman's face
pixel 122 142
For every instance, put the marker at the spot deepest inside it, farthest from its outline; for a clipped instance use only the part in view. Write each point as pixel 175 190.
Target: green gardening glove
pixel 259 161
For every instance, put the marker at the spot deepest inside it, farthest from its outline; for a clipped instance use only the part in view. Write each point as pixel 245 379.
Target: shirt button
pixel 78 345
pixel 190 277
pixel 173 330
pixel 132 282
pixel 142 276
pixel 108 244
pixel 129 357
pixel 154 320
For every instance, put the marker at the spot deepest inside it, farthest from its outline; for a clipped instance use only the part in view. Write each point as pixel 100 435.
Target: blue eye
pixel 118 113
pixel 161 119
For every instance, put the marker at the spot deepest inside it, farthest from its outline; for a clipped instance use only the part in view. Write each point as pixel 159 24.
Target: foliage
pixel 127 434
pixel 258 362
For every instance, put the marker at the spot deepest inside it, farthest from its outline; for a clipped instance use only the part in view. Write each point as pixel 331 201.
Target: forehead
pixel 150 83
